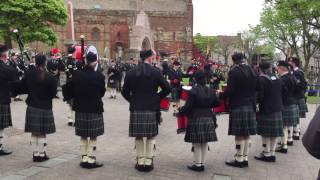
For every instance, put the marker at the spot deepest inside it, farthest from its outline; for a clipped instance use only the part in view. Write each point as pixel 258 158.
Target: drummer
pixel 202 121
pixel 175 77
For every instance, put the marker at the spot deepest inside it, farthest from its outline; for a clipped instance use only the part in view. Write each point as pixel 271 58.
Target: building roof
pixel 132 5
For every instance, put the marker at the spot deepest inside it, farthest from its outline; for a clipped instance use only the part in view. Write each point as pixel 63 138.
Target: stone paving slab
pixel 116 151
pixel 33 170
pixel 14 177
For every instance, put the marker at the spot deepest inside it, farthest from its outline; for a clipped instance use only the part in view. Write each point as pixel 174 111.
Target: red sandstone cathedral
pixel 120 28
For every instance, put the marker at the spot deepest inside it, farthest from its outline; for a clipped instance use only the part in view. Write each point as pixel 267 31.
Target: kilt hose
pixel 39 121
pixel 270 125
pixel 143 124
pixel 200 130
pixel 303 108
pixel 89 124
pixel 175 94
pixel 290 115
pixel 242 121
pixel 5 116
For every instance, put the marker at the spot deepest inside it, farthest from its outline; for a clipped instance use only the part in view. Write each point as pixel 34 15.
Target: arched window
pixel 95 34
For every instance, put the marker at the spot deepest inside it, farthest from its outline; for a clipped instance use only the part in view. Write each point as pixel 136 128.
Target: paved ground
pixel 116 151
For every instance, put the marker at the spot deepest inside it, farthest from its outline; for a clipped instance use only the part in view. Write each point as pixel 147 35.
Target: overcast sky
pixel 225 17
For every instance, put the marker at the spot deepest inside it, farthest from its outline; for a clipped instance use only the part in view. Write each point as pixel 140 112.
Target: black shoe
pixel 35 158
pixel 70 123
pixel 4 152
pixel 43 158
pixel 245 163
pixel 282 150
pixel 196 168
pixel 94 148
pixel 139 167
pixel 290 143
pixel 297 138
pixel 235 163
pixel 83 164
pixel 264 158
pixel 180 131
pixel 273 159
pixel 93 165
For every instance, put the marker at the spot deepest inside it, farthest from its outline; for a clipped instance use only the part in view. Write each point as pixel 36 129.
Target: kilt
pixel 89 124
pixel 303 108
pixel 270 125
pixel 242 121
pixel 290 115
pixel 5 116
pixel 175 94
pixel 39 121
pixel 112 83
pixel 200 130
pixel 143 124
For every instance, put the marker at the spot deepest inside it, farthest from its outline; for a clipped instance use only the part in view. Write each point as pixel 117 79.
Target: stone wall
pixel 110 24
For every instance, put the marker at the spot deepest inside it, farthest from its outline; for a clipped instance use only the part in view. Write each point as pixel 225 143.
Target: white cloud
pixel 225 17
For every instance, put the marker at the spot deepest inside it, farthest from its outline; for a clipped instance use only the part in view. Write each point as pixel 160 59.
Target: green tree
pixel 204 42
pixel 292 27
pixel 33 18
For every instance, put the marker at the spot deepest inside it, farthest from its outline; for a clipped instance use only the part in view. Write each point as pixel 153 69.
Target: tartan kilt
pixel 242 121
pixel 270 125
pixel 5 116
pixel 39 121
pixel 303 108
pixel 290 115
pixel 175 94
pixel 112 83
pixel 89 124
pixel 200 130
pixel 143 124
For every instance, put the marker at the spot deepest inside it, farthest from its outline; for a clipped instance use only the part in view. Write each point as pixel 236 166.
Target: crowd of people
pixel 269 103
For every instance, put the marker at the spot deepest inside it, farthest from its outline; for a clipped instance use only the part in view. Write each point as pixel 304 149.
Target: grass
pixel 313 99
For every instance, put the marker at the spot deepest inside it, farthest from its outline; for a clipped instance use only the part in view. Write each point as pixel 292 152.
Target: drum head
pixel 187 88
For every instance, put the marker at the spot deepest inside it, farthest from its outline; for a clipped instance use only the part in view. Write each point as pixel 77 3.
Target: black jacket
pixel 241 87
pixel 8 74
pixel 301 87
pixel 288 87
pixel 86 88
pixel 201 100
pixel 116 74
pixel 140 88
pixel 41 88
pixel 270 94
pixel 175 77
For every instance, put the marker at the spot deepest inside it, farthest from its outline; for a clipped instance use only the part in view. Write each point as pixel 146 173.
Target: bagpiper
pixel 175 77
pixel 299 93
pixel 86 88
pixel 114 75
pixel 140 89
pixel 70 68
pixel 7 75
pixel 241 91
pixel 290 112
pixel 269 119
pixel 41 88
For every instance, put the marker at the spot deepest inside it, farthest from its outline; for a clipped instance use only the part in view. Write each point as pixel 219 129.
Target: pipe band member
pixel 290 112
pixel 241 91
pixel 41 87
pixel 299 93
pixel 140 89
pixel 175 77
pixel 86 88
pixel 8 74
pixel 269 119
pixel 202 120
